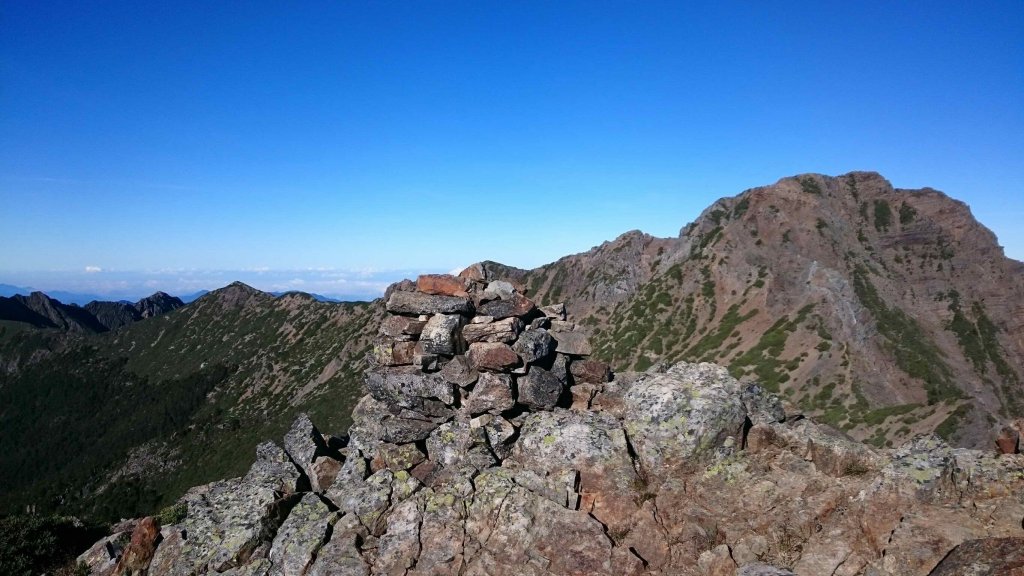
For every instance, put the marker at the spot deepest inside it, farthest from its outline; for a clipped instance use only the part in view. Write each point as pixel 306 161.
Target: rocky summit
pixel 489 443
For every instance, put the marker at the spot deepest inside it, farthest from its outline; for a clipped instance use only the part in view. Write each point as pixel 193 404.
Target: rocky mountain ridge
pixel 882 311
pixel 40 311
pixel 488 443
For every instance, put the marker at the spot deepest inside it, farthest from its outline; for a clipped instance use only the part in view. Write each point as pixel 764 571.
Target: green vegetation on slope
pixel 914 353
pixel 202 386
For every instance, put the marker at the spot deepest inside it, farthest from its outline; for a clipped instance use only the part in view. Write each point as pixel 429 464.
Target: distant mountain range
pixel 882 312
pixel 41 311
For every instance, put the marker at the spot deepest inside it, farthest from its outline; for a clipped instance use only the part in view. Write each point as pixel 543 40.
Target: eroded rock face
pixel 462 465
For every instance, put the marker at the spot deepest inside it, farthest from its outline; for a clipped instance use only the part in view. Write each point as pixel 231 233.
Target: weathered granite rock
pixel 593 444
pixel 304 443
pixel 456 443
pixel 341 554
pixel 539 389
pixel 675 419
pixel 505 330
pixel 412 389
pixel 374 422
pixel 492 393
pixel 441 284
pixel 416 303
pixel 401 327
pixel 441 334
pixel 590 371
pixel 717 562
pixel 275 470
pixel 301 536
pixel 519 532
pixel 500 434
pixel 984 557
pixel 492 356
pixel 572 343
pixel 534 345
pixel 517 305
pixel 397 457
pixel 226 523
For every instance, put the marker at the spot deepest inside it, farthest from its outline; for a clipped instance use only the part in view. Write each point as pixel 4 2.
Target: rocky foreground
pixel 489 444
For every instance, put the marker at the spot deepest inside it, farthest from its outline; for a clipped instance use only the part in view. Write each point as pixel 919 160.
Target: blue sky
pixel 149 141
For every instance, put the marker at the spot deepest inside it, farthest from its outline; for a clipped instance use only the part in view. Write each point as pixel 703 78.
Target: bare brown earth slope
pixel 884 312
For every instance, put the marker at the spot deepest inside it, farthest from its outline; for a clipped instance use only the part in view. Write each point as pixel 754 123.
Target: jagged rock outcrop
pixel 457 464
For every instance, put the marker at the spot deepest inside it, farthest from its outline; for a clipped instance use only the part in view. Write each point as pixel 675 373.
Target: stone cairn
pixel 474 349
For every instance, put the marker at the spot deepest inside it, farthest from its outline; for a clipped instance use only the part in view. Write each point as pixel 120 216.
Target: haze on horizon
pixel 335 148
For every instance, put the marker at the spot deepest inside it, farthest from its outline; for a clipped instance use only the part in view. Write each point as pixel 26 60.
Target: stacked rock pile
pixel 468 350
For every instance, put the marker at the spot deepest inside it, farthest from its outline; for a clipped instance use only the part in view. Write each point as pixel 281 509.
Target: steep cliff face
pixel 882 311
pixel 488 443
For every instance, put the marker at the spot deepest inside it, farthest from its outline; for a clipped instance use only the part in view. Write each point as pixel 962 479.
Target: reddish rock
pixel 324 470
pixel 985 557
pixel 139 554
pixel 1008 440
pixel 590 371
pixel 492 356
pixel 474 272
pixel 423 470
pixel 442 285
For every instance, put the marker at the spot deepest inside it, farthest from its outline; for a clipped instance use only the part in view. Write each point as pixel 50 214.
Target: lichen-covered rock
pixel 373 422
pixel 676 418
pixel 441 335
pixel 301 536
pixel 762 407
pixel 226 522
pixel 102 557
pixel 459 371
pixel 761 569
pixel 304 443
pixel 341 554
pixel 518 532
pixel 457 442
pixel 412 389
pixel 593 444
pixel 275 470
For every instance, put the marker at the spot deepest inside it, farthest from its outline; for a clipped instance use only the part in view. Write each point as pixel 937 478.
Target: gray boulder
pixel 539 389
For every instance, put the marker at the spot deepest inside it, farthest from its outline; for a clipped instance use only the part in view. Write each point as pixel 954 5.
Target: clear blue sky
pixel 365 137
